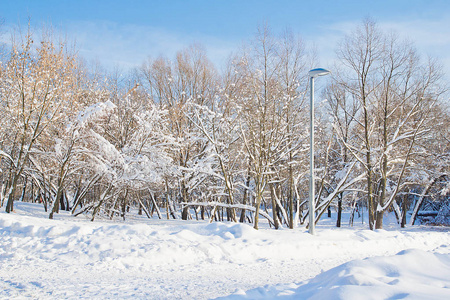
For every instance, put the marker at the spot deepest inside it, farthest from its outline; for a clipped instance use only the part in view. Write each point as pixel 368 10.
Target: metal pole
pixel 311 161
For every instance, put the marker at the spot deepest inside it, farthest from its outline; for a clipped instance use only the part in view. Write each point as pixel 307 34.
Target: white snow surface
pixel 411 274
pixel 73 258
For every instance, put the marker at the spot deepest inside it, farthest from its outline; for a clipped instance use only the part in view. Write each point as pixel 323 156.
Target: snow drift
pixel 411 274
pixel 74 258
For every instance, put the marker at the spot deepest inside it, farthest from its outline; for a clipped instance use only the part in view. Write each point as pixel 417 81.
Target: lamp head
pixel 318 72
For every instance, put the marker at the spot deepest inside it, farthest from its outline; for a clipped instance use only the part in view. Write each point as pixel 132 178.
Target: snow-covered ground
pixel 168 259
pixel 411 274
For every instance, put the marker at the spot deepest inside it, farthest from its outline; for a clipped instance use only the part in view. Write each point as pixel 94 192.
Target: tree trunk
pixel 22 197
pixel 370 200
pixel 245 198
pixel 185 212
pixel 11 192
pixel 10 203
pixel 276 222
pixel 339 212
pixel 142 207
pixel 404 211
pixel 124 208
pixel 379 219
pixel 62 202
pixel 257 204
pixel 155 206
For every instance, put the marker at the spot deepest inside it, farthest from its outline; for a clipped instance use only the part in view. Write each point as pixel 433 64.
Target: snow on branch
pixel 94 111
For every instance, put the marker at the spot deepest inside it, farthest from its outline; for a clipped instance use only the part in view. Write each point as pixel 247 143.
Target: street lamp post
pixel 312 74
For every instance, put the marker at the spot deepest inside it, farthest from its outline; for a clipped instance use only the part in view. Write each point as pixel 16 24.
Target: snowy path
pixel 72 258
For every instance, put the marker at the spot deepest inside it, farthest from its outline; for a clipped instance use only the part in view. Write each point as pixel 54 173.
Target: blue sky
pixel 125 33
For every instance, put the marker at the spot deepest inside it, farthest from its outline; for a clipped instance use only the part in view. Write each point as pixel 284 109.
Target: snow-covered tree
pixel 397 93
pixel 175 86
pixel 38 87
pixel 271 98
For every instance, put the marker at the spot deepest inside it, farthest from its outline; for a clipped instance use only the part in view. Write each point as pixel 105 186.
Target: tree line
pixel 177 136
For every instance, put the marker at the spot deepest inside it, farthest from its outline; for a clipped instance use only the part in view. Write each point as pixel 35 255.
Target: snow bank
pixel 74 258
pixel 411 274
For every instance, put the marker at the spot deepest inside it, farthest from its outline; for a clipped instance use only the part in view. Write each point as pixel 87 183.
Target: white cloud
pixel 430 36
pixel 130 45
